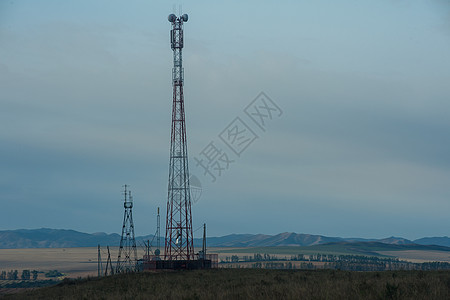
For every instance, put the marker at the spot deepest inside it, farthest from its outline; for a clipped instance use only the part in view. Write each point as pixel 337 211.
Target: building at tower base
pixel 151 262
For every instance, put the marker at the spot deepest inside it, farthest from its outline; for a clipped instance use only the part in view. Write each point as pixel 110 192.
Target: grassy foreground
pixel 253 284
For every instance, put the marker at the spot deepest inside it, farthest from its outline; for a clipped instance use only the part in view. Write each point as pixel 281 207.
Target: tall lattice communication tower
pixel 127 259
pixel 179 236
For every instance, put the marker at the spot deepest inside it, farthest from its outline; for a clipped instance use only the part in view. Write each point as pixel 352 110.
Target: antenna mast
pixel 158 232
pixel 179 235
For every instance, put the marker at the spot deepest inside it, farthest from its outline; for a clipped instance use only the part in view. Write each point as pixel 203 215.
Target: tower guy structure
pixel 179 236
pixel 127 258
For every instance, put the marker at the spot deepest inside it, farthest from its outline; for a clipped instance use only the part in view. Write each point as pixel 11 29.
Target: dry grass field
pixel 253 284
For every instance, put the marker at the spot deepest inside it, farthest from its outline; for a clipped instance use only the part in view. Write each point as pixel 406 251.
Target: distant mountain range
pixel 54 238
pixel 299 239
pixel 60 238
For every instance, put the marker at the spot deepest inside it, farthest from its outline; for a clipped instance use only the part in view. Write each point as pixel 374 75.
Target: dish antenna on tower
pixel 172 18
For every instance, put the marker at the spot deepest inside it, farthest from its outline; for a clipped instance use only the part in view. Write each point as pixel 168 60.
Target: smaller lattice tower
pixel 126 261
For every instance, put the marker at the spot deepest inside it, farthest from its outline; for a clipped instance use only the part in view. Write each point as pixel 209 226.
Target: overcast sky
pixel 359 145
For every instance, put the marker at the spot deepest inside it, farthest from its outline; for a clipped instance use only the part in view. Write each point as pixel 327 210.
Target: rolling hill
pixel 53 238
pixel 442 241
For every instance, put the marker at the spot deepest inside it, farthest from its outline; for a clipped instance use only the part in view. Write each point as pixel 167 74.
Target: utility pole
pixel 99 263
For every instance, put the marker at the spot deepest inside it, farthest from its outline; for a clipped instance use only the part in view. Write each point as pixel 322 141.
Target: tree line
pixel 27 274
pixel 338 262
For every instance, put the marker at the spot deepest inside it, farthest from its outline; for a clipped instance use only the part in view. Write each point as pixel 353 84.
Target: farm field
pixel 73 262
pixel 419 256
pixel 82 262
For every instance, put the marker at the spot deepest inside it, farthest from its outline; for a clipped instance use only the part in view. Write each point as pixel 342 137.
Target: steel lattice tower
pixel 179 236
pixel 126 261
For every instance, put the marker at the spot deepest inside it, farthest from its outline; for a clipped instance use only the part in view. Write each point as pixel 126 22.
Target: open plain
pixel 83 261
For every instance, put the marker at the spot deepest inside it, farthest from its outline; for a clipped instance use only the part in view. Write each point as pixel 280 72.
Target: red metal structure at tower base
pixel 179 235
